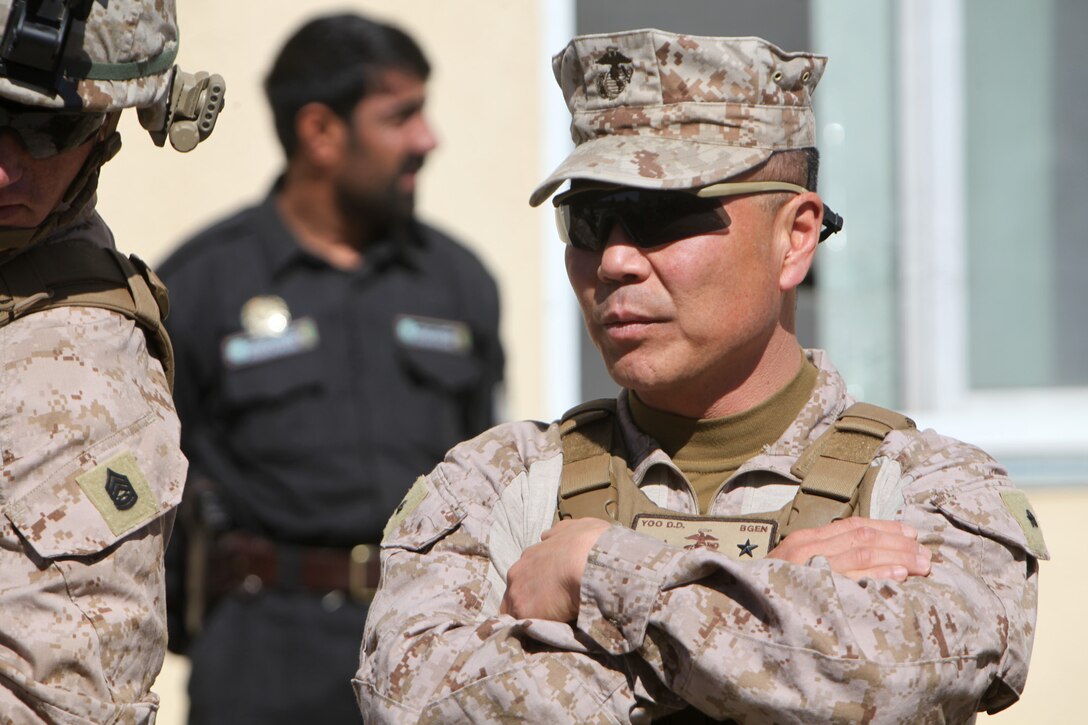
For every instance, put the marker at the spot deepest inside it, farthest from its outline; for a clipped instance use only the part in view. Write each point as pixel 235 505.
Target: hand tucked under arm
pixel 544 583
pixel 858 548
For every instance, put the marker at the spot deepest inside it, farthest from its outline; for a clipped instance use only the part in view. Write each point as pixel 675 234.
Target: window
pixel 984 136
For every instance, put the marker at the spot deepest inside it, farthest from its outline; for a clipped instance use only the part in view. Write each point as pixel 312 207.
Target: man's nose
pixel 621 258
pixel 424 139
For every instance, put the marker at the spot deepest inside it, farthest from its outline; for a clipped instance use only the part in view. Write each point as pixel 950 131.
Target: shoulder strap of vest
pixel 586 488
pixel 833 467
pixel 78 274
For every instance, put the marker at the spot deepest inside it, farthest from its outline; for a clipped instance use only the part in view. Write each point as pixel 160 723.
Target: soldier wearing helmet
pixel 90 467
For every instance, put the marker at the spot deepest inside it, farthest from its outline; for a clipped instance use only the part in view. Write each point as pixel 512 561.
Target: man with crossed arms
pixel 503 599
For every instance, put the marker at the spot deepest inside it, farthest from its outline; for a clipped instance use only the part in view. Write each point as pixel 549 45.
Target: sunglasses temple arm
pixel 832 223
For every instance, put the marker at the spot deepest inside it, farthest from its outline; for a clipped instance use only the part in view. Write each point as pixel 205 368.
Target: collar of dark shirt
pixel 405 247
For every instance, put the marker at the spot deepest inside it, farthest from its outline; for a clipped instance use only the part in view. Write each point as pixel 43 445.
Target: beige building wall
pixel 483 103
pixel 485 106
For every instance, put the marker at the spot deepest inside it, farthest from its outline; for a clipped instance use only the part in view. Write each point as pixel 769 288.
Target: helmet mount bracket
pixel 36 39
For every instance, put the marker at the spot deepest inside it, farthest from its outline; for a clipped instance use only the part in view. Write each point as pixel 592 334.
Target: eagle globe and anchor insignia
pixel 612 82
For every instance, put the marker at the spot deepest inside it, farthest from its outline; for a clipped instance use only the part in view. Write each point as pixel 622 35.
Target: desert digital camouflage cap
pixel 658 110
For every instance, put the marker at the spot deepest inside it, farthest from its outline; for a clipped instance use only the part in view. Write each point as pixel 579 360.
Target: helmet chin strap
pixel 77 200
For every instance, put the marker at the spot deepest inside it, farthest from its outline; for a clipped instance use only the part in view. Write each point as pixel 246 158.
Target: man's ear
pixel 322 134
pixel 799 221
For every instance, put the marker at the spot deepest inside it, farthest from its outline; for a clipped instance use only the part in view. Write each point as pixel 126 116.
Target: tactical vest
pixel 74 273
pixel 835 471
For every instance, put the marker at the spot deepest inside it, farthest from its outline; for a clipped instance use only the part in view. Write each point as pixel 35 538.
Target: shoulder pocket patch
pixel 425 515
pixel 411 500
pixel 110 491
pixel 1020 508
pixel 1003 515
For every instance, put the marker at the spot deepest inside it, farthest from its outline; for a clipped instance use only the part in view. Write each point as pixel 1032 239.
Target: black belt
pixel 248 563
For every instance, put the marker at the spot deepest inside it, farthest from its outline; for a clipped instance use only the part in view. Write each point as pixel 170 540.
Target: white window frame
pixel 561 332
pixel 1039 434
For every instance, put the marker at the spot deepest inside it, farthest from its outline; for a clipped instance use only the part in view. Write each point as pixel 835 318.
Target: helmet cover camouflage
pixel 87 55
pixel 658 110
pixel 66 67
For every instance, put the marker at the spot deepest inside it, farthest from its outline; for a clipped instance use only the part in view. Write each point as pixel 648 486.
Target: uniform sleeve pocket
pixel 427 513
pixel 1004 515
pixel 110 491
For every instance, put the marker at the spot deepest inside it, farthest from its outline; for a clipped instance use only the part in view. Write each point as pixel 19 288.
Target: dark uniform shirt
pixel 311 435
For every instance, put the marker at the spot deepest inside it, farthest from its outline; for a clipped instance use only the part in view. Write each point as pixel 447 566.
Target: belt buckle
pixel 360 558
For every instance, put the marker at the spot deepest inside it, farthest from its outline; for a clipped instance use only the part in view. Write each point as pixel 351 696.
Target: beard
pixel 382 209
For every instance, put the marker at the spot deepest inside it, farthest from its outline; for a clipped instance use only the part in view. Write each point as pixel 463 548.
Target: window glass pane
pixel 783 22
pixel 857 288
pixel 1027 179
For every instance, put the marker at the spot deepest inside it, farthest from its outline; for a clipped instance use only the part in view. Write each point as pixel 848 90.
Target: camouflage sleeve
pixel 435 647
pixel 769 640
pixel 89 477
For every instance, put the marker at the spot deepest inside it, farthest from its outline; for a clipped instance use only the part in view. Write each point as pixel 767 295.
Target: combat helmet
pixel 96 56
pixel 72 62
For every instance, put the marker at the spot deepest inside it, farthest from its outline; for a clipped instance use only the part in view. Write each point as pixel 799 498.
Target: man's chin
pixel 18 216
pixel 399 205
pixel 629 374
pixel 403 208
pixel 385 212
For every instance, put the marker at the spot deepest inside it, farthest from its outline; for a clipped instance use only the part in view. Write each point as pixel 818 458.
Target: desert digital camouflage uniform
pixel 83 633
pixel 660 627
pixel 90 463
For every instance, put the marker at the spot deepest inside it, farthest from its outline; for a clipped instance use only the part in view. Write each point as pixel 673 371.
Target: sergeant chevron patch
pixel 120 492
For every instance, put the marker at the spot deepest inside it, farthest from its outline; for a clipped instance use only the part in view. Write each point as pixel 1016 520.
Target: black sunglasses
pixel 653 217
pixel 45 133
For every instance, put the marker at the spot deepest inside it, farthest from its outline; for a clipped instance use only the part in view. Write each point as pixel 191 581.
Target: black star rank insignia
pixel 747 548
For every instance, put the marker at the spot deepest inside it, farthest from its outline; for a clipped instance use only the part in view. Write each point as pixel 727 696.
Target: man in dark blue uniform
pixel 330 348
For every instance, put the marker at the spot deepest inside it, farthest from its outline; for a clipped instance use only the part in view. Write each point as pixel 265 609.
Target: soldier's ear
pixel 321 134
pixel 798 222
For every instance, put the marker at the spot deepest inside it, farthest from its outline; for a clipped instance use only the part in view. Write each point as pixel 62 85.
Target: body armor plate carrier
pixel 835 471
pixel 74 273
